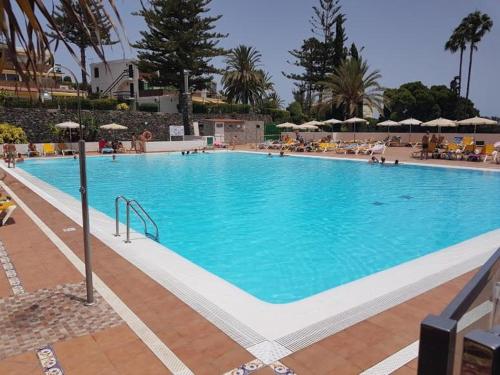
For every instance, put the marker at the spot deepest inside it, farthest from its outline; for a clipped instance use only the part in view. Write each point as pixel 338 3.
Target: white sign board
pixel 176 131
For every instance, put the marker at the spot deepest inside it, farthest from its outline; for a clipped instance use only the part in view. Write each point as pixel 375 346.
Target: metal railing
pixel 132 204
pixel 441 336
pixel 115 83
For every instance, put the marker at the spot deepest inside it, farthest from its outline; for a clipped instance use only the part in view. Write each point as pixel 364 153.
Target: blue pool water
pixel 284 229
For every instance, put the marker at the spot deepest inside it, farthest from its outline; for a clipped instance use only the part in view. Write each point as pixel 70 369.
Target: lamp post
pixel 83 193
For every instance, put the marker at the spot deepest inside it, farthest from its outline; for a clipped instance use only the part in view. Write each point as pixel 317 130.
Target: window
pixel 132 91
pixel 131 71
pixel 219 125
pixel 97 90
pixel 12 77
pixel 96 72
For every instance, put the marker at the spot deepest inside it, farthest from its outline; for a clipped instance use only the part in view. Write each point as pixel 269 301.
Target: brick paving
pixel 32 320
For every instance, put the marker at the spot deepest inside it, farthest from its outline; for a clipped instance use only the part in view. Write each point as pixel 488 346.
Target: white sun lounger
pixel 377 149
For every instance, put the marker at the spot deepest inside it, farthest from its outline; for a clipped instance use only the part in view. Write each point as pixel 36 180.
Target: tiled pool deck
pixel 112 346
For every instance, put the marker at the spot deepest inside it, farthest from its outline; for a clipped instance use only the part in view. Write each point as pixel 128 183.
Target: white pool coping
pixel 252 322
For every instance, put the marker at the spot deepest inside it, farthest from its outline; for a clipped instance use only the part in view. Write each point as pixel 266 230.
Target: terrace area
pixel 139 325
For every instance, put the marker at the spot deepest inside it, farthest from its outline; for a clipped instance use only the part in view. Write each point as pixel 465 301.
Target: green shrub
pixel 63 103
pixel 148 107
pixel 279 116
pixel 12 134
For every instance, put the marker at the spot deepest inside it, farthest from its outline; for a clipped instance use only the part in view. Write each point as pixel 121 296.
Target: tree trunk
pixel 83 62
pixel 470 70
pixel 185 107
pixel 460 72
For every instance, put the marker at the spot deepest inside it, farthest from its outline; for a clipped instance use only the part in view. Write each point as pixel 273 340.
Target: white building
pixel 118 79
pixel 122 79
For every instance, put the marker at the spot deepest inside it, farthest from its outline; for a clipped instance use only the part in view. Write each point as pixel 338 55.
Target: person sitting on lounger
pixel 32 151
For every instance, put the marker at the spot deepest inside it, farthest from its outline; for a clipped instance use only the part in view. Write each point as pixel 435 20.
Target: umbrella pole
pixel 409 139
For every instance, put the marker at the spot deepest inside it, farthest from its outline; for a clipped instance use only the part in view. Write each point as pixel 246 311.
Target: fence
pixel 441 337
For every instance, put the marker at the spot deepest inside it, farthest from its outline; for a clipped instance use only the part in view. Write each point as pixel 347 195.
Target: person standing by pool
pixel 425 146
pixel 233 142
pixel 133 143
pixel 146 136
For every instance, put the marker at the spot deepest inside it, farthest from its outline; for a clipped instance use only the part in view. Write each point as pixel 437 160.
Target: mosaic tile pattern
pixel 48 361
pixel 32 320
pixel 255 365
pixel 247 368
pixel 281 369
pixel 10 271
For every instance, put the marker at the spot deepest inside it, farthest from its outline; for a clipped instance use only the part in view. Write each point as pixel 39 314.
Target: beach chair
pixel 376 149
pixel 450 152
pixel 48 149
pixel 7 213
pixel 486 152
pixel 467 141
pixel 64 150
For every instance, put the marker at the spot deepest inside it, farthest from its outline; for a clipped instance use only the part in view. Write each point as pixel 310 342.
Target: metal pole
pixel 84 197
pixel 128 223
pixel 117 217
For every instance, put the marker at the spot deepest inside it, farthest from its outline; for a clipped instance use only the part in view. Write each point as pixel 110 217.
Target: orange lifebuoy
pixel 147 135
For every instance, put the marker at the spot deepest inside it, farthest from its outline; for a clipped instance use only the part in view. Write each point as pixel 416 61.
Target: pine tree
pixel 323 22
pixel 179 37
pixel 307 58
pixel 319 56
pixel 72 25
pixel 354 53
pixel 340 52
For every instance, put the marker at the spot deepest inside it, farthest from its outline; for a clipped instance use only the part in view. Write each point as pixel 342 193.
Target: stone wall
pixel 38 124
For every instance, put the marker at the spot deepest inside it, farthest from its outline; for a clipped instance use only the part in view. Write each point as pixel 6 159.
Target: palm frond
pixel 21 26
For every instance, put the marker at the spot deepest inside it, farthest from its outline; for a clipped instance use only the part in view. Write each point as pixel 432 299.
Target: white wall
pixel 168 103
pixel 150 146
pixel 175 146
pixel 107 75
pixel 378 136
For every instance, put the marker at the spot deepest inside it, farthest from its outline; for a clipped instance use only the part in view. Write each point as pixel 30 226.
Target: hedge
pixel 65 103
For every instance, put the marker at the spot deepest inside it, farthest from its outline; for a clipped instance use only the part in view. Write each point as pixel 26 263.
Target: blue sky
pixel 403 39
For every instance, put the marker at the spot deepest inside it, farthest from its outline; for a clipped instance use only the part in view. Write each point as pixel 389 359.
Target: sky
pixel 403 39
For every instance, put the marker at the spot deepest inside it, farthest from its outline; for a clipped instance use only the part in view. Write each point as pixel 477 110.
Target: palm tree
pixel 353 87
pixel 458 41
pixel 242 80
pixel 21 26
pixel 476 25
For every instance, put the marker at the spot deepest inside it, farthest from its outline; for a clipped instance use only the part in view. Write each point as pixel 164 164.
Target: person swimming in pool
pixel 373 160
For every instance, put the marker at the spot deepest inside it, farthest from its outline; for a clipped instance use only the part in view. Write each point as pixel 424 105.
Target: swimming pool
pixel 283 229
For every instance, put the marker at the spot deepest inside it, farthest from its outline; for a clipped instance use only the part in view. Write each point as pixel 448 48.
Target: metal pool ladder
pixel 132 204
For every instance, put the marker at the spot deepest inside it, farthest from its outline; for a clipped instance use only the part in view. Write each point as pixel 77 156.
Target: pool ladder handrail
pixel 140 212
